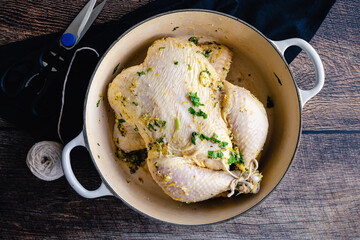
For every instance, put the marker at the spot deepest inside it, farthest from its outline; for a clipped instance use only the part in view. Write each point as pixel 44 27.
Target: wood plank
pixel 337 106
pixel 318 198
pixel 24 19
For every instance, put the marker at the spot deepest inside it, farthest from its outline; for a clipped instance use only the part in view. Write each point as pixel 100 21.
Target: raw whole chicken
pixel 193 123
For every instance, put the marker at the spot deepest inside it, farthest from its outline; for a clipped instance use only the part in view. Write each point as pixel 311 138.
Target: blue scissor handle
pixel 68 39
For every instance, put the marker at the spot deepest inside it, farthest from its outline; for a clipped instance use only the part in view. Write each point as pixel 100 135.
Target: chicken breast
pixel 180 116
pixel 219 57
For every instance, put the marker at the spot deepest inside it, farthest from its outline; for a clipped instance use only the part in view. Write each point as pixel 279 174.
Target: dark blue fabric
pixel 274 18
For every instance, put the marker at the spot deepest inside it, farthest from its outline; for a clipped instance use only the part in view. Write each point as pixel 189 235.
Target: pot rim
pixel 152 18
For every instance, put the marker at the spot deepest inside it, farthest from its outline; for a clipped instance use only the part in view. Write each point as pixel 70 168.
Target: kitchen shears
pixel 35 77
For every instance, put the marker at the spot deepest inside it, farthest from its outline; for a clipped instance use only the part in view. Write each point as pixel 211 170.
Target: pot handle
pixel 69 174
pixel 306 95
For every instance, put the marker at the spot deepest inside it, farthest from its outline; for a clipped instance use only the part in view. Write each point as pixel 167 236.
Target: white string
pixel 64 87
pixel 248 183
pixel 44 158
pixel 227 170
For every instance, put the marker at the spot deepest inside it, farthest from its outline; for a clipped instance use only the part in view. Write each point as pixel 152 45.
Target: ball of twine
pixel 44 160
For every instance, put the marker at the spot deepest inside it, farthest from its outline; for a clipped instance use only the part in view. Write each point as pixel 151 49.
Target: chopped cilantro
pixel 189 67
pixel 98 102
pixel 156 165
pixel 160 140
pixel 194 40
pixel 163 123
pixel 151 127
pixel 215 105
pixel 206 53
pixel 206 71
pixel 148 69
pixel 141 73
pixel 269 102
pixel 223 144
pixel 116 68
pixel 199 114
pixel 235 158
pixel 133 159
pixel 136 129
pixel 202 136
pixel 193 137
pixel 225 69
pixel 215 154
pixel 160 48
pixel 156 123
pixel 177 124
pixel 195 99
pixel 136 104
pixel 175 28
pixel 176 62
pixel 121 127
pixel 214 139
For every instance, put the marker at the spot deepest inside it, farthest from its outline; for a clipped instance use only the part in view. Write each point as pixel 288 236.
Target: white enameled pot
pixel 258 65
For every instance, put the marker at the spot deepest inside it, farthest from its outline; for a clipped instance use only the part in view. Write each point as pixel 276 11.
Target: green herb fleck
pixel 194 40
pixel 202 137
pixel 136 104
pixel 193 137
pixel 223 144
pixel 136 129
pixel 156 165
pixel 215 154
pixel 225 69
pixel 133 159
pixel 175 28
pixel 199 114
pixel 278 79
pixel 156 123
pixel 189 67
pixel 116 68
pixel 151 127
pixel 195 99
pixel 98 102
pixel 206 71
pixel 149 69
pixel 160 140
pixel 176 62
pixel 236 157
pixel 98 144
pixel 214 139
pixel 215 105
pixel 269 102
pixel 123 101
pixel 98 156
pixel 177 124
pixel 160 48
pixel 162 123
pixel 141 73
pixel 206 53
pixel 121 127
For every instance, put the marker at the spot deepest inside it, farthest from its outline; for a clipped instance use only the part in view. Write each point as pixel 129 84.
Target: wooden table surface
pixel 319 197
